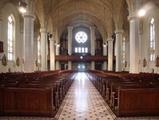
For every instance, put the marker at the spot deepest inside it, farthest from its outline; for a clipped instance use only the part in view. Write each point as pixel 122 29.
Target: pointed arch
pixel 11 38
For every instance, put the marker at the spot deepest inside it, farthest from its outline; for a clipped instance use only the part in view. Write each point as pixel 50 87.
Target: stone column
pixel 52 54
pixel 134 45
pixel 110 54
pixel 69 65
pixel 105 54
pixel 22 50
pixel 57 53
pixel 140 33
pixel 43 49
pixel 119 38
pixel 57 65
pixel 35 50
pixel 92 37
pixel 28 42
pixel 70 28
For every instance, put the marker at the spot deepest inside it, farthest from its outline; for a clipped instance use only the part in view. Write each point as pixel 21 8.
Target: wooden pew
pixel 138 102
pixel 37 94
pixel 118 87
pixel 28 101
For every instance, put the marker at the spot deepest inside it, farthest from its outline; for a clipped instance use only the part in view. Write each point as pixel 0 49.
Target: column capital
pixel 70 28
pixel 29 16
pixel 53 34
pixel 51 39
pixel 119 31
pixel 132 16
pixel 42 29
pixel 109 39
pixel 92 27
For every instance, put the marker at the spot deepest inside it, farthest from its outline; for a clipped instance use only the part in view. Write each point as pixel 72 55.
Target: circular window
pixel 81 37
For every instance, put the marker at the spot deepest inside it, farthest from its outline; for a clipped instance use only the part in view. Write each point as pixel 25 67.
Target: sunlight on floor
pixel 81 92
pixel 81 76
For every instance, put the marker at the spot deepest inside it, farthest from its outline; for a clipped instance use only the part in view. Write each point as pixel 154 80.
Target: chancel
pixel 79 59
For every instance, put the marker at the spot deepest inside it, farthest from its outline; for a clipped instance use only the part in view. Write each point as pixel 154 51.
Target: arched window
pixel 11 51
pixel 152 40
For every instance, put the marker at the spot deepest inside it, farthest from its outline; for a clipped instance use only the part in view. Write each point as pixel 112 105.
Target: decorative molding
pixel 132 16
pixel 78 59
pixel 119 31
pixel 110 40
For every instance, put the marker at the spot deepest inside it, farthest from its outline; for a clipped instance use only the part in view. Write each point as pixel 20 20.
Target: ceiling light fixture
pixel 104 44
pixel 141 13
pixel 22 7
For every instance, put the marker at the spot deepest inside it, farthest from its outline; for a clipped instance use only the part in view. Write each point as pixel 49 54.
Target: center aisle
pixel 83 102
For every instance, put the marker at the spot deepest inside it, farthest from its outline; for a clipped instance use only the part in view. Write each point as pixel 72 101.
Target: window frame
pixel 152 40
pixel 11 38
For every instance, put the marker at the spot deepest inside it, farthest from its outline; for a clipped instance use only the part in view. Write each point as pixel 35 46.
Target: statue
pixel 157 61
pixel 18 61
pixel 4 60
pixel 144 63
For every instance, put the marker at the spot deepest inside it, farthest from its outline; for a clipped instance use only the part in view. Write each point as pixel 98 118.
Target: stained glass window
pixel 81 37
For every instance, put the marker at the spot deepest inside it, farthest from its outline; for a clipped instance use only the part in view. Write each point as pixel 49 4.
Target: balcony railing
pixel 78 58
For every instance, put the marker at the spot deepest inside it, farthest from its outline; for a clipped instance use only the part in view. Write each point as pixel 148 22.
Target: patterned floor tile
pixel 83 102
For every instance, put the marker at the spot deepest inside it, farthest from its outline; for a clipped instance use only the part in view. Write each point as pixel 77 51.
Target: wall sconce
pixel 104 44
pixel 22 7
pixel 141 13
pixel 49 35
pixel 57 44
pixel 81 57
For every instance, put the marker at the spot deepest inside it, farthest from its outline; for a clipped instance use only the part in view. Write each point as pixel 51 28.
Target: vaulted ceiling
pixel 99 13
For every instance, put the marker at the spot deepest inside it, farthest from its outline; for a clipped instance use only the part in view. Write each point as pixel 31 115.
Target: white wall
pixel 151 13
pixel 7 10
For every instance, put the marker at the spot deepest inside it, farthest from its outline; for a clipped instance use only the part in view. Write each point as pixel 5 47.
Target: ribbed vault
pixel 67 12
pixel 91 12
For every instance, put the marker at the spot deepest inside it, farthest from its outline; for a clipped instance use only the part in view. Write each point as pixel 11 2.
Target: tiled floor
pixel 82 102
